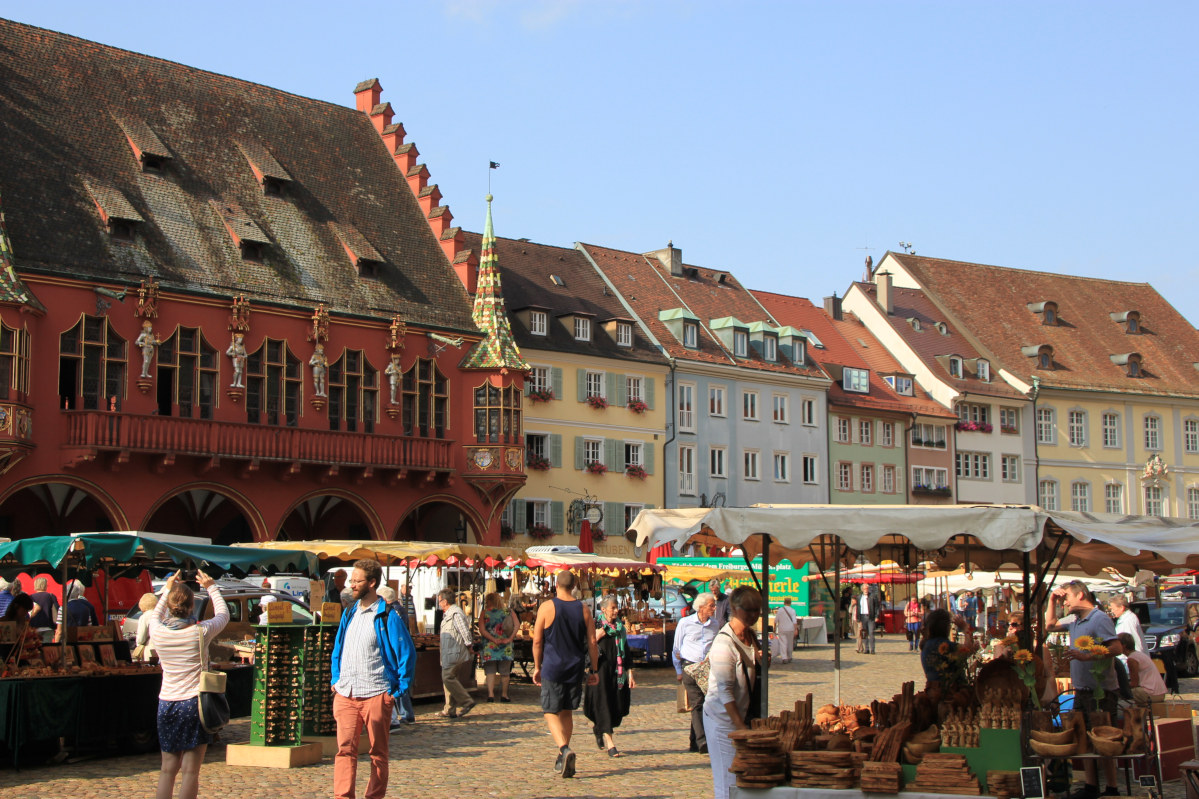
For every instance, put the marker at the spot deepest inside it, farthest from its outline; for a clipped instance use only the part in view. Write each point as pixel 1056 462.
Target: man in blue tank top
pixel 564 654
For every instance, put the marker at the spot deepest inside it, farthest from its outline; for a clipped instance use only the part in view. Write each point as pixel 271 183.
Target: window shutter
pixel 520 521
pixel 613 518
pixel 579 464
pixel 647 506
pixel 613 457
pixel 582 375
pixel 556 381
pixel 647 388
pixel 557 517
pixel 622 390
pixel 612 383
pixel 556 450
pixel 528 385
pixel 647 456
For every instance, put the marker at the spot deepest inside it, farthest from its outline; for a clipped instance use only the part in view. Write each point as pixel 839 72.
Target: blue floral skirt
pixel 179 725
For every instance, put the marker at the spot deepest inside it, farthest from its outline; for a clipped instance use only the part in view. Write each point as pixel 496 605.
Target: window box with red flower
pixel 974 427
pixel 636 470
pixel 595 467
pixel 538 463
pixel 637 406
pixel 506 532
pixel 598 535
pixel 540 532
pixel 597 402
pixel 541 395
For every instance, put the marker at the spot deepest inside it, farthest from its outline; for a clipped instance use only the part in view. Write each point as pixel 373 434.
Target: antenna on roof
pixel 907 247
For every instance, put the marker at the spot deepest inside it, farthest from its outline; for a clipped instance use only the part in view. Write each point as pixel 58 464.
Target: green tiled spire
pixel 497 350
pixel 12 288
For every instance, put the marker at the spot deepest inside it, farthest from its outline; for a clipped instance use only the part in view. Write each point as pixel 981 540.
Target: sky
pixel 781 141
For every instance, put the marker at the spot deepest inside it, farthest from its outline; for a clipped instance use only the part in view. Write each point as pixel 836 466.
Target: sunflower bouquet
pixel 1025 664
pixel 1100 661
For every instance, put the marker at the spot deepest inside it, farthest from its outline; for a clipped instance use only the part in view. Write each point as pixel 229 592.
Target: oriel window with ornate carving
pixel 273 385
pixel 353 393
pixel 497 415
pixel 91 366
pixel 187 375
pixel 426 398
pixel 14 362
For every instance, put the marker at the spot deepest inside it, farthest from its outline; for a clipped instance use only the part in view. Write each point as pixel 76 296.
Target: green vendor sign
pixel 785 579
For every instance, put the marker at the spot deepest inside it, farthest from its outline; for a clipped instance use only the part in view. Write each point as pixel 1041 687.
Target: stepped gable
pixel 709 294
pixel 75 113
pixel 527 268
pixel 992 303
pixel 849 343
pixel 929 342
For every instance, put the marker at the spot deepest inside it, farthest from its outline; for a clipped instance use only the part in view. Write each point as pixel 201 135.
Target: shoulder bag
pixel 212 702
pixel 700 671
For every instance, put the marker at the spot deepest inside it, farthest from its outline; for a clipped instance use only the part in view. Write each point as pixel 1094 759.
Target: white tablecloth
pixel 812 630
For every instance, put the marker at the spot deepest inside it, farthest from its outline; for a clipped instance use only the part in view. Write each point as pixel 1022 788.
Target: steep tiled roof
pixel 709 294
pixel 849 343
pixel 991 302
pixel 933 344
pixel 73 111
pixel 12 288
pixel 527 266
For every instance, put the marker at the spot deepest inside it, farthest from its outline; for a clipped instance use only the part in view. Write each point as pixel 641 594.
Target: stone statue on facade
pixel 237 353
pixel 147 342
pixel 393 373
pixel 320 371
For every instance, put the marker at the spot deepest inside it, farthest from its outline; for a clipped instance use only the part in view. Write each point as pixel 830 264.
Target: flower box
pixel 542 395
pixel 932 491
pixel 595 467
pixel 637 406
pixel 506 532
pixel 538 463
pixel 636 470
pixel 598 534
pixel 1008 429
pixel 540 532
pixel 597 402
pixel 974 427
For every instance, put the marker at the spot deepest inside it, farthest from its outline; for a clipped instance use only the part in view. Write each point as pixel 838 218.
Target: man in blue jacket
pixel 374 661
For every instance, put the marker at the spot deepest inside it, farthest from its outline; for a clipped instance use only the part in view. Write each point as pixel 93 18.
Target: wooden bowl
pixel 1053 750
pixel 1106 746
pixel 1111 733
pixel 1063 737
pixel 922 747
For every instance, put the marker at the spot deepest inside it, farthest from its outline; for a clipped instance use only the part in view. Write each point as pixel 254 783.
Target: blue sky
pixel 775 140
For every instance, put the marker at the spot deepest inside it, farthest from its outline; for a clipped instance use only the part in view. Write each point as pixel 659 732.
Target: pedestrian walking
pixel 564 655
pixel 785 624
pixel 913 615
pixel 46 616
pixel 177 639
pixel 374 661
pixel 692 640
pixel 456 651
pixel 497 627
pixel 734 661
pixel 868 607
pixel 607 702
pixel 722 603
pixel 847 614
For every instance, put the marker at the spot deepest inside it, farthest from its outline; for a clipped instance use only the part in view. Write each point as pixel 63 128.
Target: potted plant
pixel 597 402
pixel 506 532
pixel 538 463
pixel 636 470
pixel 540 532
pixel 595 467
pixel 637 406
pixel 598 534
pixel 541 395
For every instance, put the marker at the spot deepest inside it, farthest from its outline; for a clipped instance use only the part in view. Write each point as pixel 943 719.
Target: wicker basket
pixel 1063 737
pixel 1053 750
pixel 1107 746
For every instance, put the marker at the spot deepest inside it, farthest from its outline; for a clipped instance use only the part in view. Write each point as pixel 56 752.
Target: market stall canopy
pixel 574 561
pixel 133 552
pixel 395 553
pixel 1128 543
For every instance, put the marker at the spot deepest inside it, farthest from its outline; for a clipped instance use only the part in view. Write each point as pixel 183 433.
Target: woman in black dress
pixel 607 702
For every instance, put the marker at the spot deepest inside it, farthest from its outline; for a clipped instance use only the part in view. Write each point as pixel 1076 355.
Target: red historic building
pixel 229 311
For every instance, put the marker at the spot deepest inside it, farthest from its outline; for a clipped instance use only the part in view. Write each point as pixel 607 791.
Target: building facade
pixel 236 313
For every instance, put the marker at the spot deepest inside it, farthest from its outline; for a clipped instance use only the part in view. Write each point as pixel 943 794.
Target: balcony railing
pixel 167 435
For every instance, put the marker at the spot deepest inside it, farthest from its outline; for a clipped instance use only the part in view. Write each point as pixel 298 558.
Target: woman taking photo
pixel 175 637
pixel 497 646
pixel 734 659
pixel 607 702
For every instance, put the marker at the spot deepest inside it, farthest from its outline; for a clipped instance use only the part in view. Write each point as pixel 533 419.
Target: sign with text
pixel 785 579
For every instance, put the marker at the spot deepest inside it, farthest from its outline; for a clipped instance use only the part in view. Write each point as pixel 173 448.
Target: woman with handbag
pixel 607 702
pixel 181 643
pixel 497 627
pixel 733 669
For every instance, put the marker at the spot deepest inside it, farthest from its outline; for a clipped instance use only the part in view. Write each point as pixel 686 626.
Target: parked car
pixel 1169 632
pixel 243 600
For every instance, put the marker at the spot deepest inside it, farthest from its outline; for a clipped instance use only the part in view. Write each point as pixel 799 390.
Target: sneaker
pixel 559 763
pixel 396 726
pixel 466 709
pixel 568 765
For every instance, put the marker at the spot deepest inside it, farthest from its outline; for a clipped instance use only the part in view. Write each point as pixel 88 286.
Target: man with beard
pixel 374 661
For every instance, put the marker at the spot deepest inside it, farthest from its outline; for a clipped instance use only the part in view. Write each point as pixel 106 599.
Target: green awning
pixel 136 552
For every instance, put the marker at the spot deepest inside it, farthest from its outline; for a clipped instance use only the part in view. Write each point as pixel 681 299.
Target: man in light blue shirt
pixel 692 639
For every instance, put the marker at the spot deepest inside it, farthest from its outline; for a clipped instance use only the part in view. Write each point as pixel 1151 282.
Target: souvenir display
pixel 318 699
pixel 277 709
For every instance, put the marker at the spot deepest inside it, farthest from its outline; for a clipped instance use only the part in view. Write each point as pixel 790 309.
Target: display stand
pixel 277 716
pixel 318 724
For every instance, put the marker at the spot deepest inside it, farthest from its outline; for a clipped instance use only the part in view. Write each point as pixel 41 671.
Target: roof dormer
pixel 1131 361
pixel 683 325
pixel 118 215
pixel 579 323
pixel 148 149
pixel 900 381
pixel 620 330
pixel 249 239
pixel 765 339
pixel 270 175
pixel 1042 352
pixel 366 259
pixel 794 345
pixel 1047 311
pixel 733 334
pixel 1130 319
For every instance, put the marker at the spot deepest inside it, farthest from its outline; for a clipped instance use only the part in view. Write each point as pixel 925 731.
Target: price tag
pixel 278 612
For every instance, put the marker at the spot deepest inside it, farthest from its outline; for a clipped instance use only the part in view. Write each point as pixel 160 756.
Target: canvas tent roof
pixel 427 553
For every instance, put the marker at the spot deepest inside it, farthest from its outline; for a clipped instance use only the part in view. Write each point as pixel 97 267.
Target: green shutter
pixel 647 506
pixel 613 456
pixel 528 385
pixel 582 375
pixel 579 464
pixel 556 450
pixel 556 381
pixel 647 456
pixel 520 521
pixel 557 518
pixel 614 518
pixel 648 391
pixel 612 384
pixel 622 390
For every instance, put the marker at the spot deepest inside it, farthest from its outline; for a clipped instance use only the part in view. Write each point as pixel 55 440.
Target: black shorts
pixel 559 696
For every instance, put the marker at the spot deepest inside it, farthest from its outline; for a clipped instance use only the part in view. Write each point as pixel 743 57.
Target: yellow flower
pixel 943 649
pixel 1023 656
pixel 1010 641
pixel 1084 642
pixel 1100 651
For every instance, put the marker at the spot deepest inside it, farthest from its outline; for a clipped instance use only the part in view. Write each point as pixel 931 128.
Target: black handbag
pixel 212 703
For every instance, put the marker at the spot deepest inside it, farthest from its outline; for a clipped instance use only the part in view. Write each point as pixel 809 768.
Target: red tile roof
pixel 991 301
pixel 649 288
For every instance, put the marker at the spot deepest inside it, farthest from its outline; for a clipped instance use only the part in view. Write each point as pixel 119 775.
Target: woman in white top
pixel 175 636
pixel 734 659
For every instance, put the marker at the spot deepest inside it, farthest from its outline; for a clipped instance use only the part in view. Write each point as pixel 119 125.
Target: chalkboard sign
pixel 1033 782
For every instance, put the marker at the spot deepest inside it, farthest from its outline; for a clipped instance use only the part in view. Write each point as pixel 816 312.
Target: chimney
pixel 883 281
pixel 367 94
pixel 671 257
pixel 832 307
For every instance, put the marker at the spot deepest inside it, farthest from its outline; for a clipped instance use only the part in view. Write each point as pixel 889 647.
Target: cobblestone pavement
pixel 504 750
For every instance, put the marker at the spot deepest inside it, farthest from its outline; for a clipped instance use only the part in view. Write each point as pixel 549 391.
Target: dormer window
pixel 1130 319
pixel 270 175
pixel 943 328
pixel 153 163
pixel 800 354
pixel 121 229
pixel 1043 353
pixel 538 323
pixel 770 350
pixel 740 343
pixel 246 235
pixel 582 328
pixel 856 380
pixel 624 334
pixel 119 216
pixel 366 259
pixel 251 251
pixel 1134 325
pixel 691 335
pixel 984 370
pixel 955 366
pixel 1131 361
pixel 902 385
pixel 1134 368
pixel 1047 310
pixel 915 323
pixel 147 148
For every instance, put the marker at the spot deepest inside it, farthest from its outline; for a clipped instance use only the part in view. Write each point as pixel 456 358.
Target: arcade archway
pixel 332 515
pixel 440 520
pixel 58 506
pixel 207 511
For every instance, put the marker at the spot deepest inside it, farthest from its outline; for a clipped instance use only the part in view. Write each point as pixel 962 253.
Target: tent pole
pixel 1026 632
pixel 765 711
pixel 837 622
